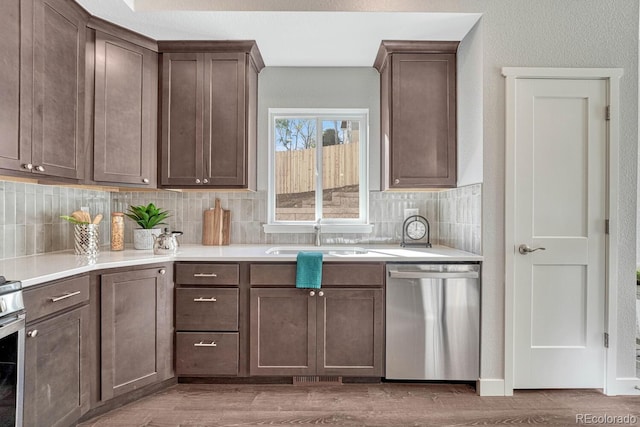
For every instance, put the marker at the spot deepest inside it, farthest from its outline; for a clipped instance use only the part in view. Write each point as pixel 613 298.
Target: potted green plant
pixel 147 217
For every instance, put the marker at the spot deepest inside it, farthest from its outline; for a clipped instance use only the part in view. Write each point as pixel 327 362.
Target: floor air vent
pixel 316 380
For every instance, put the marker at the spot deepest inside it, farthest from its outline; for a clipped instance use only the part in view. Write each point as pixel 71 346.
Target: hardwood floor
pixel 387 404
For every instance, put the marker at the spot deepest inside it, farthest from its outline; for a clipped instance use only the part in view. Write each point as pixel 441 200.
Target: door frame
pixel 612 77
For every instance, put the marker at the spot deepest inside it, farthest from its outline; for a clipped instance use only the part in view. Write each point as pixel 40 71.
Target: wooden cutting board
pixel 216 225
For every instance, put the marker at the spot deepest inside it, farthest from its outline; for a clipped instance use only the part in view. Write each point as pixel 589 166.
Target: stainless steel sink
pixel 326 250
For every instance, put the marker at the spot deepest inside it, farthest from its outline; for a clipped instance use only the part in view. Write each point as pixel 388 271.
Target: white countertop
pixel 36 269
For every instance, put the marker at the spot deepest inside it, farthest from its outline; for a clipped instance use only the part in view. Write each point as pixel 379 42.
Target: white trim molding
pixel 612 385
pixel 329 225
pixel 624 387
pixel 491 387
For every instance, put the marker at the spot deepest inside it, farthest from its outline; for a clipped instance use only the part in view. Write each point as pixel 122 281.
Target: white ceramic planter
pixel 143 238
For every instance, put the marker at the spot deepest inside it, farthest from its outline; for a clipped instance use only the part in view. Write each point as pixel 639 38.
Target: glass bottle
pixel 117 231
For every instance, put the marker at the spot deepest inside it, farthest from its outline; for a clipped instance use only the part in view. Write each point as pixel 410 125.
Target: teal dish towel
pixel 309 270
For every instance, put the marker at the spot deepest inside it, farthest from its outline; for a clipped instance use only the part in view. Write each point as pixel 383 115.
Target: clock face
pixel 416 230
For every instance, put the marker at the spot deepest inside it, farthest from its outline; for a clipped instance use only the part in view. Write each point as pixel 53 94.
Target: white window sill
pixel 324 228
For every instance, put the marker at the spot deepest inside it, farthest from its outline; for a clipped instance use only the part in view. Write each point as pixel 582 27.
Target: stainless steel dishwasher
pixel 433 322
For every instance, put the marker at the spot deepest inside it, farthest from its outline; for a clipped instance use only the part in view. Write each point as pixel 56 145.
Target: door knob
pixel 197 181
pixel 145 180
pixel 524 249
pixel 32 334
pixel 320 294
pixel 206 181
pixel 312 293
pixel 40 168
pixel 27 166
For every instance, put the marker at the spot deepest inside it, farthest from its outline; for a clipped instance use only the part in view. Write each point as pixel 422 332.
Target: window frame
pixel 336 225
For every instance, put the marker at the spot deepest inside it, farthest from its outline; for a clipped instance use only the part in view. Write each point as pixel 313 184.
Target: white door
pixel 559 205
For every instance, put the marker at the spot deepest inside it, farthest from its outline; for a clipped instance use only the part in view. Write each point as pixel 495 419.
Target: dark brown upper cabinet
pixel 209 114
pixel 42 89
pixel 15 110
pixel 125 113
pixel 418 114
pixel 59 39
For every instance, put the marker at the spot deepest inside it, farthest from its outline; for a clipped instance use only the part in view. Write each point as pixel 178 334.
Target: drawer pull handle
pixel 202 344
pixel 65 296
pixel 205 275
pixel 201 299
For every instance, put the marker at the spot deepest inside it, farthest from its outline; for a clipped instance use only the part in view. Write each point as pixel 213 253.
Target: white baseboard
pixel 490 387
pixel 624 387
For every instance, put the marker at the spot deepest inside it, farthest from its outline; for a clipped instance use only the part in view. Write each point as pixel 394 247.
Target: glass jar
pixel 117 231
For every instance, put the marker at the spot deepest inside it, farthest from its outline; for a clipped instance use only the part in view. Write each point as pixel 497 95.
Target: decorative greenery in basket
pixel 148 216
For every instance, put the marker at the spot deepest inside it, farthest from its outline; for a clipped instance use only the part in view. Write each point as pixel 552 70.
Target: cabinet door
pixel 57 370
pixel 283 332
pixel 350 332
pixel 225 119
pixel 15 84
pixel 58 92
pixel 423 121
pixel 182 118
pixel 126 80
pixel 134 320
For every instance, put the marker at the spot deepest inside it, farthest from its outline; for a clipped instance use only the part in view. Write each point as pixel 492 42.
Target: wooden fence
pixel 295 169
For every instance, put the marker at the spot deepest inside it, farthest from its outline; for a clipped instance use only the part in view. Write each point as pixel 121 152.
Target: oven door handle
pixel 13 326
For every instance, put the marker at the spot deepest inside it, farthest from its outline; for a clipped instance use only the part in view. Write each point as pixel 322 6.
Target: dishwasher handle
pixel 395 274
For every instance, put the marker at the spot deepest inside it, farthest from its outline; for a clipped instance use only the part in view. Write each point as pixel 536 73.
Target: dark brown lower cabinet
pixel 57 369
pixel 283 332
pixel 207 353
pixel 136 329
pixel 349 332
pixel 330 331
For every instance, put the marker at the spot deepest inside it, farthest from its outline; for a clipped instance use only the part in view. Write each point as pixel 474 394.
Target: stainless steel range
pixel 12 335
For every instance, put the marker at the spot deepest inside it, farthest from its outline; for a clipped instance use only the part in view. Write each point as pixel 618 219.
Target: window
pixel 318 170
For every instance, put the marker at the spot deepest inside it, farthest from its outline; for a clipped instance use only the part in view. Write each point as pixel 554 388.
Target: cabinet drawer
pixel 207 309
pixel 207 274
pixel 356 274
pixel 336 274
pixel 199 353
pixel 40 302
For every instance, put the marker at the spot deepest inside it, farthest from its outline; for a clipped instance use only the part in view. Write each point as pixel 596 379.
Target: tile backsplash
pixel 30 216
pixel 454 215
pixel 30 220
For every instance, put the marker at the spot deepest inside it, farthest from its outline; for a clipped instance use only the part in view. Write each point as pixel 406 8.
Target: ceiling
pixel 286 38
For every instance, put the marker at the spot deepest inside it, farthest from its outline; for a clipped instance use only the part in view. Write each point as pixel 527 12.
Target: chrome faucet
pixel 317 228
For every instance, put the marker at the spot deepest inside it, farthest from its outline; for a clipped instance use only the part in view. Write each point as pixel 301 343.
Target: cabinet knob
pixel 40 168
pixel 206 181
pixel 197 181
pixel 312 293
pixel 27 166
pixel 320 294
pixel 396 181
pixel 162 271
pixel 145 180
pixel 32 334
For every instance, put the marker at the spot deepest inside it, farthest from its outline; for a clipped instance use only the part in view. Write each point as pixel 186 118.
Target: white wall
pixel 469 104
pixel 545 33
pixel 593 33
